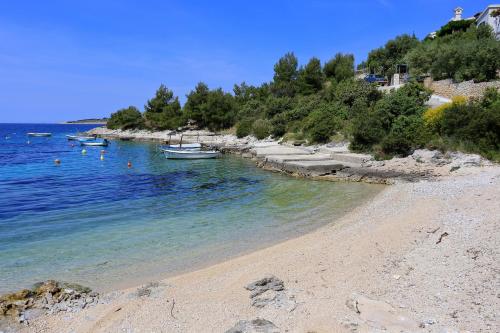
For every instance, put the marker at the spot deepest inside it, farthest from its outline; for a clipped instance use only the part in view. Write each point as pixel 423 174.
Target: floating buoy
pixel 57 161
pixel 129 164
pixel 102 157
pixel 84 151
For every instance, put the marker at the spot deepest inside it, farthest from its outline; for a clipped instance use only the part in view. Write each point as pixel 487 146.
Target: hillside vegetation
pixel 320 102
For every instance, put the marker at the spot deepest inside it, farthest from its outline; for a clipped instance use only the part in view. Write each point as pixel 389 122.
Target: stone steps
pixel 262 152
pixel 298 157
pixel 351 157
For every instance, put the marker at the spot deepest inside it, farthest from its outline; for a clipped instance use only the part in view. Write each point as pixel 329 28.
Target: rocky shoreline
pixel 330 162
pixel 49 297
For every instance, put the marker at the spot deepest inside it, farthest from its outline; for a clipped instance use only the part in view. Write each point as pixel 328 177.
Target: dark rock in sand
pixel 267 283
pixel 258 325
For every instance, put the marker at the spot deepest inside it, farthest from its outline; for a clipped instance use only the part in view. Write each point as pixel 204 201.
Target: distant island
pixel 100 121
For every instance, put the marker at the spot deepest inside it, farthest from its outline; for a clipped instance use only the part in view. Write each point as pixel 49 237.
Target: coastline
pixel 384 256
pixel 355 275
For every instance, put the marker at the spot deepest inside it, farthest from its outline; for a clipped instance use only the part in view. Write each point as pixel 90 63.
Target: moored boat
pixel 39 134
pixel 80 138
pixel 103 143
pixel 190 154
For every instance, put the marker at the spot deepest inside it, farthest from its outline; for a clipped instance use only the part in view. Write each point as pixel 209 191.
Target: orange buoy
pixel 57 161
pixel 129 164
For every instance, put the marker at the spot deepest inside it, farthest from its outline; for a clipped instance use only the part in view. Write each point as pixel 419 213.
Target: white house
pixel 491 17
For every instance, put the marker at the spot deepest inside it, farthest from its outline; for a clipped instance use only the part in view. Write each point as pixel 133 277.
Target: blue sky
pixel 62 60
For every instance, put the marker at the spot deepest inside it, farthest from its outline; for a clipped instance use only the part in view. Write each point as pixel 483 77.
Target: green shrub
pixel 278 125
pixel 474 127
pixel 244 127
pixel 261 128
pixel 124 119
pixel 407 133
pixel 454 27
pixel 366 130
pixel 324 121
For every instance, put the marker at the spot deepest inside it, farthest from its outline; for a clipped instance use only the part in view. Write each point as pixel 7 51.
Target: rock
pixel 264 299
pixel 267 283
pixel 49 286
pixel 49 296
pixel 381 315
pixel 258 325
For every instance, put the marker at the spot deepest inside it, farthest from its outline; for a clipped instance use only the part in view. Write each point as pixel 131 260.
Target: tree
pixel 340 68
pixel 285 76
pixel 384 60
pixel 311 77
pixel 213 109
pixel 454 27
pixel 219 111
pixel 163 111
pixel 323 122
pixel 126 118
pixel 196 100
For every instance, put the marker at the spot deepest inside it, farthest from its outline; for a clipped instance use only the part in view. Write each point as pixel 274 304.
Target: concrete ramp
pixel 324 167
pixel 301 157
pixel 351 157
pixel 279 150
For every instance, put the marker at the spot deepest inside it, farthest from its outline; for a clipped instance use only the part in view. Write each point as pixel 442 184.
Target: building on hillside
pixel 490 16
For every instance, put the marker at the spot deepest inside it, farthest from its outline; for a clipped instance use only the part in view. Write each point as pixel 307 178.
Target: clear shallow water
pixel 102 224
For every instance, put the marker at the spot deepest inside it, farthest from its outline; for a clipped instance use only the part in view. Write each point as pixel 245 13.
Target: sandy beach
pixel 419 257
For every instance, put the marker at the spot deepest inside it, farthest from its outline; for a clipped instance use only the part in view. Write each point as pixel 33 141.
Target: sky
pixel 65 60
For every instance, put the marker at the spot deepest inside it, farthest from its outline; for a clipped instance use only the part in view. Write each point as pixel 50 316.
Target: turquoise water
pixel 102 224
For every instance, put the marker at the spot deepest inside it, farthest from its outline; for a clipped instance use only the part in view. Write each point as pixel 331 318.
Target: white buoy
pixel 102 157
pixel 84 152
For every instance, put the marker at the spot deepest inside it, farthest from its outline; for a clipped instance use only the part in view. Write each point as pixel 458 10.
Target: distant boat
pixel 190 154
pixel 39 134
pixel 80 138
pixel 103 143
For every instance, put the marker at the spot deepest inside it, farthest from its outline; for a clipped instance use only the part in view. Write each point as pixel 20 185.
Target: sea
pixel 93 219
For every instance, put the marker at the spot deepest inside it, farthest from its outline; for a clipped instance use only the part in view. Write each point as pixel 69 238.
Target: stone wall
pixel 449 89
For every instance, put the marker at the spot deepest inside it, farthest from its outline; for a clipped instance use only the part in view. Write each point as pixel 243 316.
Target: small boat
pixel 190 154
pixel 190 147
pixel 80 138
pixel 86 138
pixel 39 134
pixel 185 146
pixel 103 143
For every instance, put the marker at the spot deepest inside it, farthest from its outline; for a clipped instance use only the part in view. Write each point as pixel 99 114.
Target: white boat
pixel 80 138
pixel 104 143
pixel 190 154
pixel 184 146
pixel 39 134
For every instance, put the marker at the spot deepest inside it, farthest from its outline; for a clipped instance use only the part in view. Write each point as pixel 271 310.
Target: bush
pixel 454 27
pixel 261 128
pixel 278 125
pixel 474 127
pixel 432 117
pixel 321 124
pixel 407 133
pixel 244 128
pixel 124 119
pixel 367 130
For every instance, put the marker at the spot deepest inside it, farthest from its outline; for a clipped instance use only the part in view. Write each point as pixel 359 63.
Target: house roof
pixel 486 11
